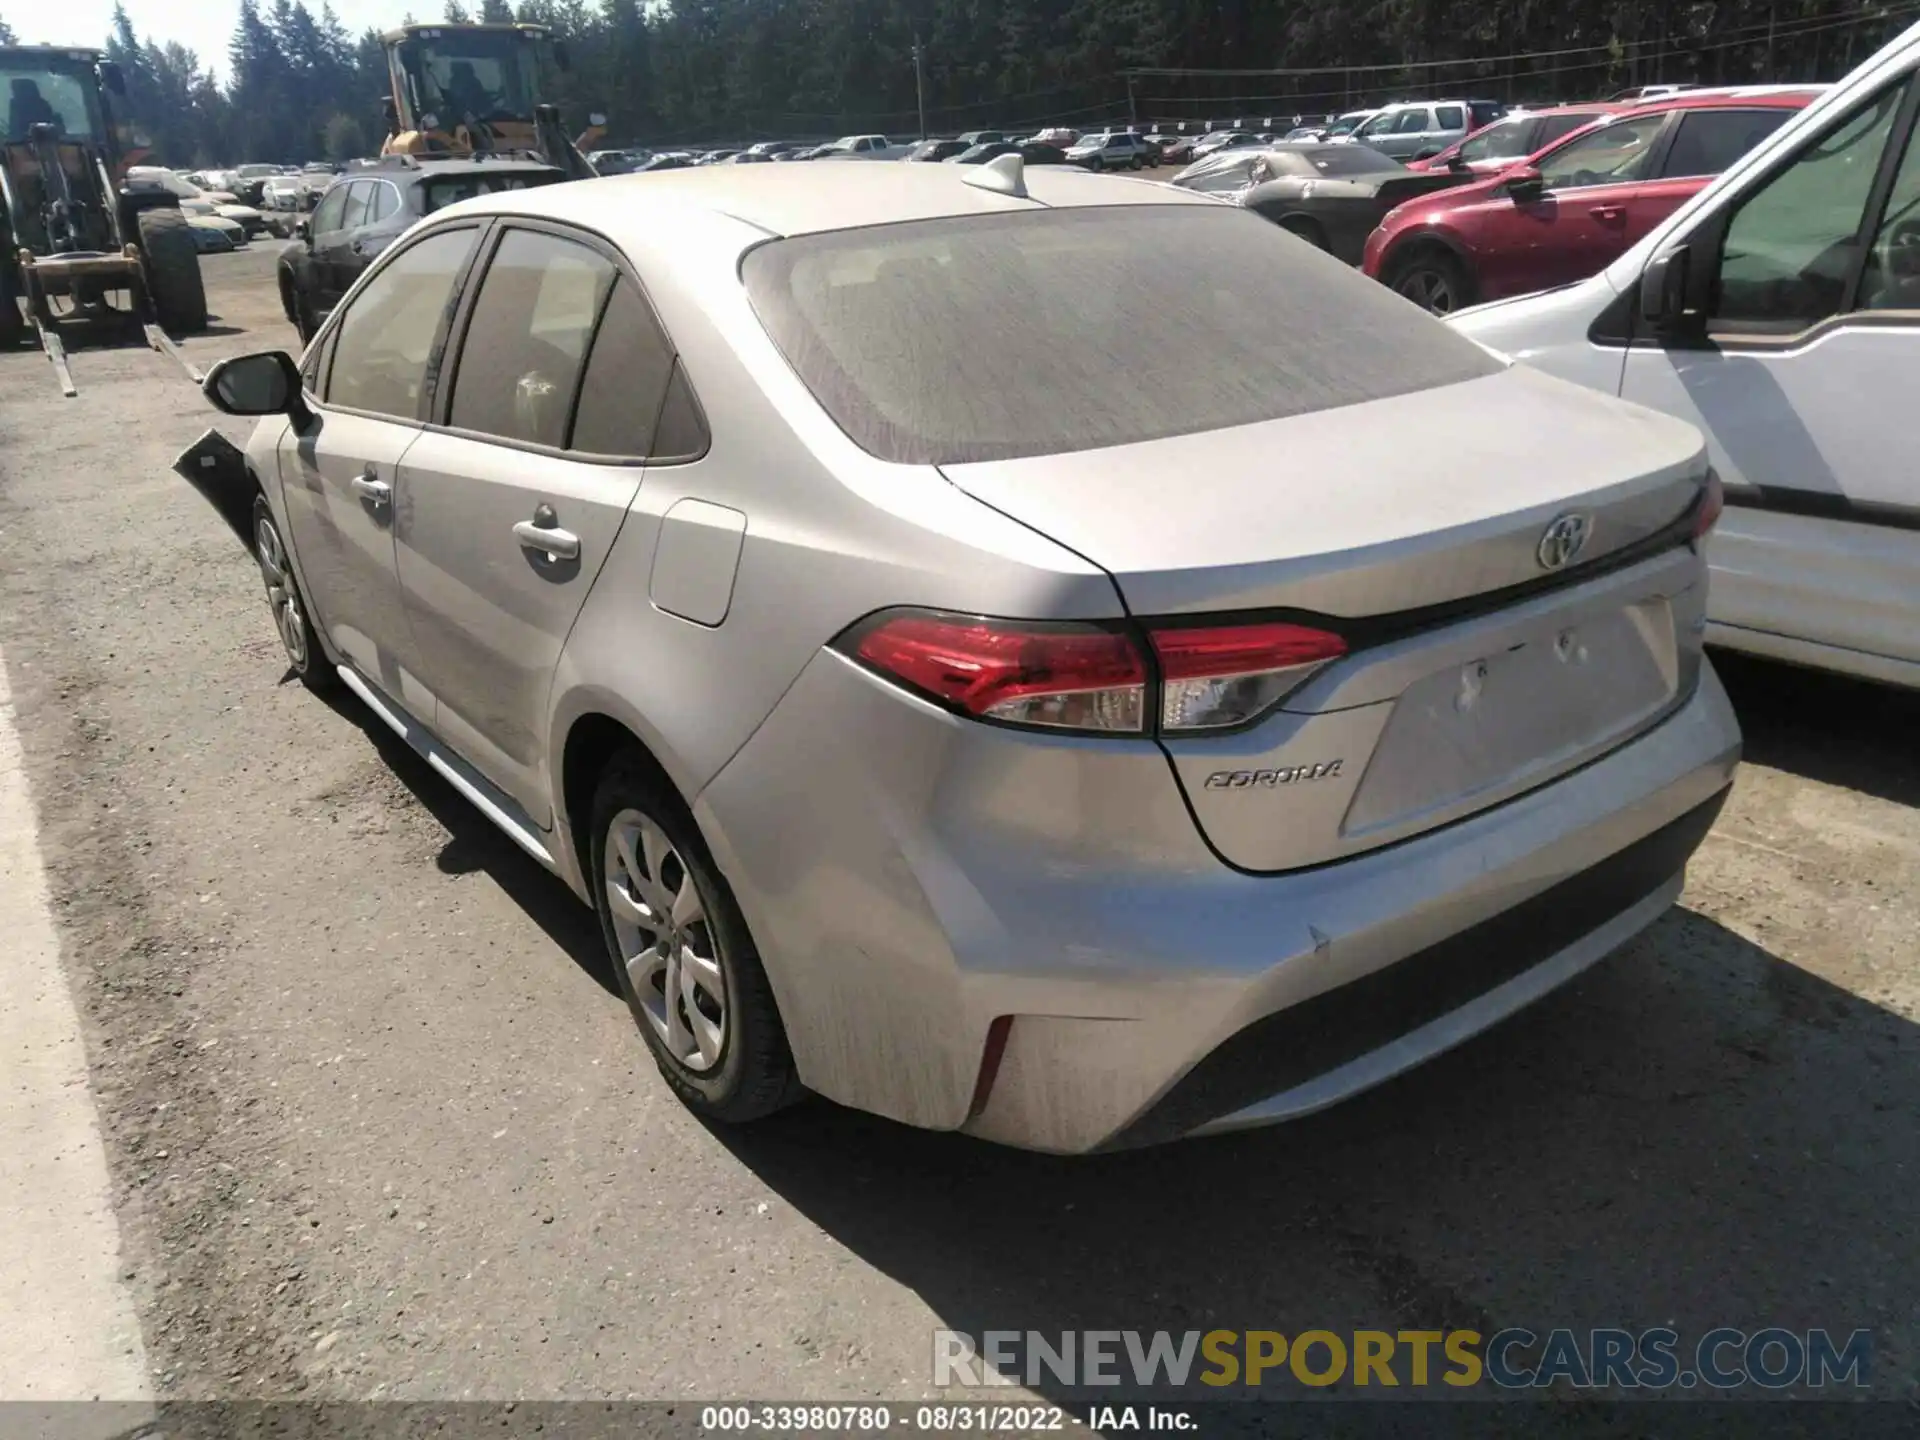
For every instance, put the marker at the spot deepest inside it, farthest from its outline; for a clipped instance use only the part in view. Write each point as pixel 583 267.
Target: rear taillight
pixel 1713 499
pixel 1218 676
pixel 1071 676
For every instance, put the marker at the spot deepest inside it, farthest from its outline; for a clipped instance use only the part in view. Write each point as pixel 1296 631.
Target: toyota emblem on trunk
pixel 1565 538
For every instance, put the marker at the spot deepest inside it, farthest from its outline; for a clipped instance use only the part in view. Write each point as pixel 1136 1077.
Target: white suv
pixel 1116 151
pixel 1779 311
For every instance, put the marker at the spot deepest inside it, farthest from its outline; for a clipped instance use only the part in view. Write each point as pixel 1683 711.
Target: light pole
pixel 920 82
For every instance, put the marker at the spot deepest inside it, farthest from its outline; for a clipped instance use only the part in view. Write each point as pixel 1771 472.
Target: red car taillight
pixel 1075 677
pixel 1226 675
pixel 1071 676
pixel 1713 499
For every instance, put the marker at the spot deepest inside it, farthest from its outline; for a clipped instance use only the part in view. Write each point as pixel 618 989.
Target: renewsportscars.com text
pixel 1655 1359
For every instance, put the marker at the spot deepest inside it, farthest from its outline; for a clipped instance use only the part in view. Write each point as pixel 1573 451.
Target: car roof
pixel 783 201
pixel 1738 96
pixel 434 168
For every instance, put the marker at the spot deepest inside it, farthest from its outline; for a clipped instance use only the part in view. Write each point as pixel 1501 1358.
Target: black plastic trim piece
pixel 1293 1046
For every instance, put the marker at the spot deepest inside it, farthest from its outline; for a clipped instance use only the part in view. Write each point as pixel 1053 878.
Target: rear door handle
pixel 554 543
pixel 371 488
pixel 1607 212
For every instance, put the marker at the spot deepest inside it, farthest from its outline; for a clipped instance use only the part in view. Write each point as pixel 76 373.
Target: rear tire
pixel 681 953
pixel 1432 278
pixel 12 323
pixel 173 271
pixel 1307 230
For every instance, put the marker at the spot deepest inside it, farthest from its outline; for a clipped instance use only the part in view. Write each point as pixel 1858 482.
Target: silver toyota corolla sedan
pixel 1034 654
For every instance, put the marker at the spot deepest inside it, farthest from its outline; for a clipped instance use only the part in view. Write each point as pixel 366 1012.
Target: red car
pixel 1515 136
pixel 1571 209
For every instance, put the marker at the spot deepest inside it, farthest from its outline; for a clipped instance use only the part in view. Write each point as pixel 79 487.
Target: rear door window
pixel 520 361
pixel 1452 117
pixel 1708 141
pixel 356 212
pixel 978 338
pixel 384 202
pixel 626 378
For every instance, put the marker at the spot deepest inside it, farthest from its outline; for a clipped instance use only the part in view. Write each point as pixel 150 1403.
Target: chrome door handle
pixel 1607 212
pixel 370 487
pixel 554 544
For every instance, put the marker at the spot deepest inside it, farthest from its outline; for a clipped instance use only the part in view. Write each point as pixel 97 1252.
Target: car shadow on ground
pixel 474 844
pixel 1696 1133
pixel 1825 727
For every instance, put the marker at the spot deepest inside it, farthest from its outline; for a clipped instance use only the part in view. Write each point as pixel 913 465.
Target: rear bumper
pixel 911 878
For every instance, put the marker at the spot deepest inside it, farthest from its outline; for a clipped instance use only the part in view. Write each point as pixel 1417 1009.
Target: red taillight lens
pixel 1076 677
pixel 1713 499
pixel 1225 675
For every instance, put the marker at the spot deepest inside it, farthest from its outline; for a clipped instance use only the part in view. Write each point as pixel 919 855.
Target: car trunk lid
pixel 1484 658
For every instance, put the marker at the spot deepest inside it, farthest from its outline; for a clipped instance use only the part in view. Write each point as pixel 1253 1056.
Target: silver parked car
pixel 1421 129
pixel 936 728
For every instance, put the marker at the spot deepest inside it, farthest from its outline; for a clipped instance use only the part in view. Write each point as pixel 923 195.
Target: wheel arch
pixel 1427 237
pixel 592 727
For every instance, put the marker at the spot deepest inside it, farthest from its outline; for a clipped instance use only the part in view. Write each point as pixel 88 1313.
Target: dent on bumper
pixel 910 877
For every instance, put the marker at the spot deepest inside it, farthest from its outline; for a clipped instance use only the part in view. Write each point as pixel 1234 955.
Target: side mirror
pixel 1526 183
pixel 303 230
pixel 1458 164
pixel 264 383
pixel 113 77
pixel 391 113
pixel 1663 289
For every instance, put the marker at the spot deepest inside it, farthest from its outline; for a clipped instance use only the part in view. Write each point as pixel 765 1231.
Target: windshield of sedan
pixel 976 338
pixel 40 92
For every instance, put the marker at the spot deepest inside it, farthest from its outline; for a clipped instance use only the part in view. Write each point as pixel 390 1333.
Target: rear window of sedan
pixel 441 193
pixel 1000 336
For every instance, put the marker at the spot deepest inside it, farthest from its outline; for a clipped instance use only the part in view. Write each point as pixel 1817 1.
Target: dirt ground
pixel 378 1128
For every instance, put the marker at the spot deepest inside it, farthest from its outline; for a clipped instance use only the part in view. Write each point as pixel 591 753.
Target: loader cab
pixel 461 88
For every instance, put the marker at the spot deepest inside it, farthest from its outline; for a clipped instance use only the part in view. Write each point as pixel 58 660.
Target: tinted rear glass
pixel 998 336
pixel 441 192
pixel 1710 140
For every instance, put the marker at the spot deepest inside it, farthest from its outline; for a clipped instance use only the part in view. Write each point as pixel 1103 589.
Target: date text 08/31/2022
pixel 940 1419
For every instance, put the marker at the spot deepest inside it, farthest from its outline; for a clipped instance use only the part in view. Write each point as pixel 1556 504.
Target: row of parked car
pixel 1532 200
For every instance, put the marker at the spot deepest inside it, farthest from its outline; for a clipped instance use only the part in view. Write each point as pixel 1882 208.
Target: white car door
pixel 1801 381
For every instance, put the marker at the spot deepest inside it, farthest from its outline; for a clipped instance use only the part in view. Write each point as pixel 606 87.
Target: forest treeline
pixel 296 85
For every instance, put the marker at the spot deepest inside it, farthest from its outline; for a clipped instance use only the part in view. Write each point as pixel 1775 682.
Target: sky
pixel 203 26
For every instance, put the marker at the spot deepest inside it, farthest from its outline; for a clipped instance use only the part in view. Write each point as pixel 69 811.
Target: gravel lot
pixel 377 1125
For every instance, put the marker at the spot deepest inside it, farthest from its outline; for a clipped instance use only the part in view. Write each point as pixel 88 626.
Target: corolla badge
pixel 1268 779
pixel 1565 537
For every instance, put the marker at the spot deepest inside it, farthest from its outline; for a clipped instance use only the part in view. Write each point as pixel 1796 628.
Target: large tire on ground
pixel 1433 278
pixel 290 615
pixel 173 271
pixel 12 324
pixel 681 953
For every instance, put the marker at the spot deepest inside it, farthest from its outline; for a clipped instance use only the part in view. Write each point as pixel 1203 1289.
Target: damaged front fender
pixel 217 468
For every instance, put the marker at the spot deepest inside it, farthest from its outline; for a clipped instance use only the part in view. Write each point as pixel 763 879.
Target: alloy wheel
pixel 666 942
pixel 1429 289
pixel 282 597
